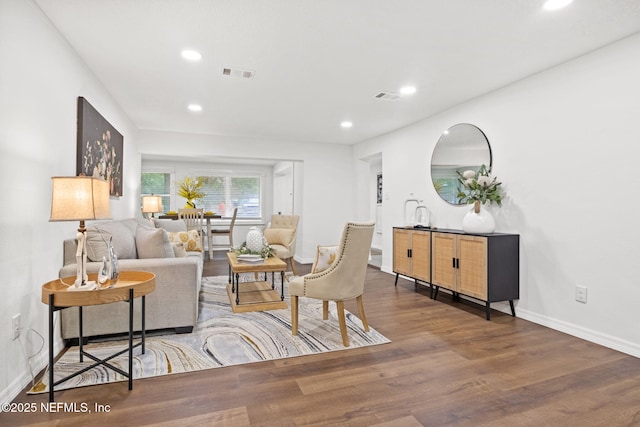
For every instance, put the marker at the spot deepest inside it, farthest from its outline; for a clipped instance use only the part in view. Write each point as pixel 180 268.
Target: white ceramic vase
pixel 255 239
pixel 478 220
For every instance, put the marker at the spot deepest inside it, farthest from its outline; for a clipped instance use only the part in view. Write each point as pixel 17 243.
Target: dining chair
pixel 342 279
pixel 216 232
pixel 193 218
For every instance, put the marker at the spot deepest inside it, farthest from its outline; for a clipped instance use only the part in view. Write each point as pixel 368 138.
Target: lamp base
pixel 79 286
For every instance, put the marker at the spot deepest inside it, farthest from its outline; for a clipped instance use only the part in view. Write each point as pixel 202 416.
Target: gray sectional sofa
pixel 140 245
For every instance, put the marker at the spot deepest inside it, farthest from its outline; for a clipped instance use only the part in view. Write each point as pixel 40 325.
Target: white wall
pixel 40 80
pixel 565 144
pixel 326 202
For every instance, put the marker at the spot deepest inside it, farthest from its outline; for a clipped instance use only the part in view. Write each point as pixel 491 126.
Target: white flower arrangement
pixel 479 187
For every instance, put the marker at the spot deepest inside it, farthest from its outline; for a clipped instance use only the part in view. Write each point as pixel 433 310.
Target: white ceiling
pixel 319 62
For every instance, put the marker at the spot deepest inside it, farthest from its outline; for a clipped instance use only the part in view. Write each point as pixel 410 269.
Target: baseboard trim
pixel 590 335
pixel 586 334
pixel 39 363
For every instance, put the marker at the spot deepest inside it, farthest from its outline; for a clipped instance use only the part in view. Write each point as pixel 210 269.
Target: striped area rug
pixel 221 338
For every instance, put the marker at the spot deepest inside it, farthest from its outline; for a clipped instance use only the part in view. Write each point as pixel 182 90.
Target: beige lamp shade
pixel 151 204
pixel 79 198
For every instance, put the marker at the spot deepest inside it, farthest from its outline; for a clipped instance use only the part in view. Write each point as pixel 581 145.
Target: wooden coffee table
pixel 258 291
pixel 130 285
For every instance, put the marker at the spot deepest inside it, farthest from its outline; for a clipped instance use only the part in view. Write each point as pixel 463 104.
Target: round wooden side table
pixel 130 285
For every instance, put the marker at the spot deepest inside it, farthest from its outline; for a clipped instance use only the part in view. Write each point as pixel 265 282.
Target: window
pixel 159 184
pixel 224 193
pixel 224 190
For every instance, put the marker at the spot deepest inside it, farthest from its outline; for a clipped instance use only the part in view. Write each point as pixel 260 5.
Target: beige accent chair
pixel 225 232
pixel 341 280
pixel 281 236
pixel 193 218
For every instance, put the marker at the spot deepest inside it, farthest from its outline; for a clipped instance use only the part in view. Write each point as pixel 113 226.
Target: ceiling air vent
pixel 388 96
pixel 237 72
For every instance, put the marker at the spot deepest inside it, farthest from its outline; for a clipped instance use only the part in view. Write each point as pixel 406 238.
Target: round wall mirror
pixel 461 147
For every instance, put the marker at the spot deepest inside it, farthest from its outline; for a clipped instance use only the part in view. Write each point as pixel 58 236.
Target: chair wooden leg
pixel 293 266
pixel 361 311
pixel 294 314
pixel 343 323
pixel 325 310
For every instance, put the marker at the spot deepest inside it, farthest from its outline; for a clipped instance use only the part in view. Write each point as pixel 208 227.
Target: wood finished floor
pixel 446 366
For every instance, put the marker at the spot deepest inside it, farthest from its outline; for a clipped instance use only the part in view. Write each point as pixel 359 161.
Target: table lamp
pixel 151 204
pixel 79 198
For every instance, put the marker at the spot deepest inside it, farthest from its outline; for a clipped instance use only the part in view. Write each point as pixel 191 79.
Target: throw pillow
pixel 279 236
pixel 190 239
pixel 178 250
pixel 325 256
pixel 150 243
pixel 168 246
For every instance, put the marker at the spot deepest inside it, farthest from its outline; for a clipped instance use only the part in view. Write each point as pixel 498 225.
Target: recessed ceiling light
pixel 191 55
pixel 408 90
pixel 195 108
pixel 556 4
pixel 346 124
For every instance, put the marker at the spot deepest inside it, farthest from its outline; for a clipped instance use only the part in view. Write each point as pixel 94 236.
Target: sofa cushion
pixel 325 256
pixel 172 226
pixel 190 239
pixel 99 234
pixel 97 245
pixel 153 243
pixel 279 236
pixel 124 241
pixel 133 223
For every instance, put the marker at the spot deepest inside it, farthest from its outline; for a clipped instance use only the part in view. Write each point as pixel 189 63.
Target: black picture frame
pixel 99 148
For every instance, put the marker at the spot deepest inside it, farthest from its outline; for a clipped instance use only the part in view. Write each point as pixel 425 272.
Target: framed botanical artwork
pixel 99 150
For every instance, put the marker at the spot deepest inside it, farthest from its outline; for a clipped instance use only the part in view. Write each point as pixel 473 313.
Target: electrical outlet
pixel 581 294
pixel 15 325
